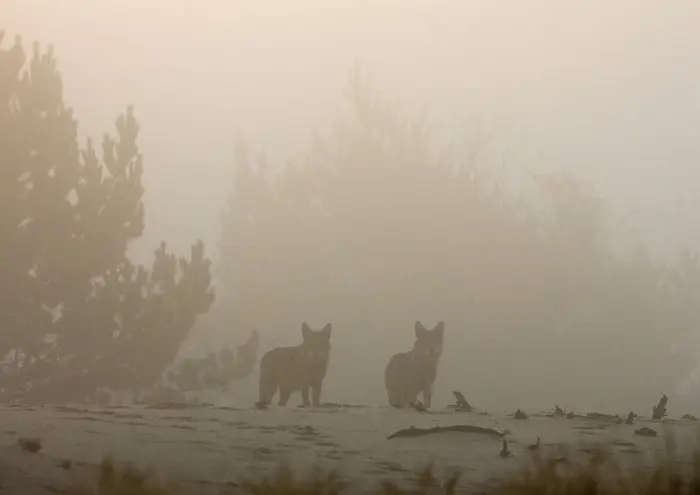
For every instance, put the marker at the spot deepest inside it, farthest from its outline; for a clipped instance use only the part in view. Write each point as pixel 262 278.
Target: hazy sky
pixel 608 88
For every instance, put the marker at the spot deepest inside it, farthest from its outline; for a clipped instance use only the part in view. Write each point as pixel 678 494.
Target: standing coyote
pixel 301 367
pixel 409 373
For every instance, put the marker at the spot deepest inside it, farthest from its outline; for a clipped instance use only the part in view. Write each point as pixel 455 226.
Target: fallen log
pixel 604 417
pixel 419 432
pixel 645 432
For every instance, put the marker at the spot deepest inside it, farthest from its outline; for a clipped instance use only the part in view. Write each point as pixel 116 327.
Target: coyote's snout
pixel 410 373
pixel 297 368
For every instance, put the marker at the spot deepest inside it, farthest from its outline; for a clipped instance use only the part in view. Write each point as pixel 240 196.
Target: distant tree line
pixel 374 226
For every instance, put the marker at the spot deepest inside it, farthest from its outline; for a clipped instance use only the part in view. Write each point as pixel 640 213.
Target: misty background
pixel 609 91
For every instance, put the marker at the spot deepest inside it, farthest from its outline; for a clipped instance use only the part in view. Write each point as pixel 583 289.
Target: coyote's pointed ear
pixel 420 330
pixel 326 332
pixel 440 328
pixel 306 331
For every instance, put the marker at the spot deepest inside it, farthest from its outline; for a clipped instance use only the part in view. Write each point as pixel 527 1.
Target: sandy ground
pixel 213 446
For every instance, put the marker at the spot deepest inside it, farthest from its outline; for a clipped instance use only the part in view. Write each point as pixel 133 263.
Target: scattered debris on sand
pixel 646 432
pixel 419 432
pixel 535 446
pixel 462 405
pixel 32 445
pixel 520 415
pixel 504 448
pixel 557 412
pixel 604 417
pixel 659 411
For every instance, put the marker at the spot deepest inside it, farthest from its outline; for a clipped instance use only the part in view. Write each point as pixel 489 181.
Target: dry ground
pixel 210 447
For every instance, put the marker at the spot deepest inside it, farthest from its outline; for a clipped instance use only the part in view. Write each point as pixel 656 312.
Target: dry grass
pixel 600 475
pixel 603 475
pixel 128 480
pixel 284 481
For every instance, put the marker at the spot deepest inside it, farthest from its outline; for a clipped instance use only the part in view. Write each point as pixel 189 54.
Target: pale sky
pixel 610 89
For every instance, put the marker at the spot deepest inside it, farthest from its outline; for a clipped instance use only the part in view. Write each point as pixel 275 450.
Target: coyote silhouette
pixel 410 373
pixel 297 368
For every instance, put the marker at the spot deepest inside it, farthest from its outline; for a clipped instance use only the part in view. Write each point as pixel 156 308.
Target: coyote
pixel 290 369
pixel 409 373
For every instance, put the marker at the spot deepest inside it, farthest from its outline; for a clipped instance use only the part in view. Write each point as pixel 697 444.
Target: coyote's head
pixel 317 344
pixel 429 342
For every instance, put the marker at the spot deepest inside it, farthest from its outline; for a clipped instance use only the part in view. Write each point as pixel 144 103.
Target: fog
pixel 609 90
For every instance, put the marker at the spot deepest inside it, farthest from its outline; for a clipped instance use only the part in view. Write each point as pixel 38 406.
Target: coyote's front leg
pixel 305 396
pixel 427 396
pixel 316 394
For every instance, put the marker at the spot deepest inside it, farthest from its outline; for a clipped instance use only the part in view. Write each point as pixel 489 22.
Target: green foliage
pixel 374 226
pixel 76 314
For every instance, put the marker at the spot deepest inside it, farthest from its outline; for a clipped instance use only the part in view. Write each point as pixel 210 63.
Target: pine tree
pixel 39 167
pixel 78 315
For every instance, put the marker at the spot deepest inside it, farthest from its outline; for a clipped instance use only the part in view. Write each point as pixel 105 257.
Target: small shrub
pixel 128 480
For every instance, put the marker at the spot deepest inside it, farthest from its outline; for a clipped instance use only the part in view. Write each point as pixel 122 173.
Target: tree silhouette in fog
pixel 77 315
pixel 374 226
pixel 215 369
